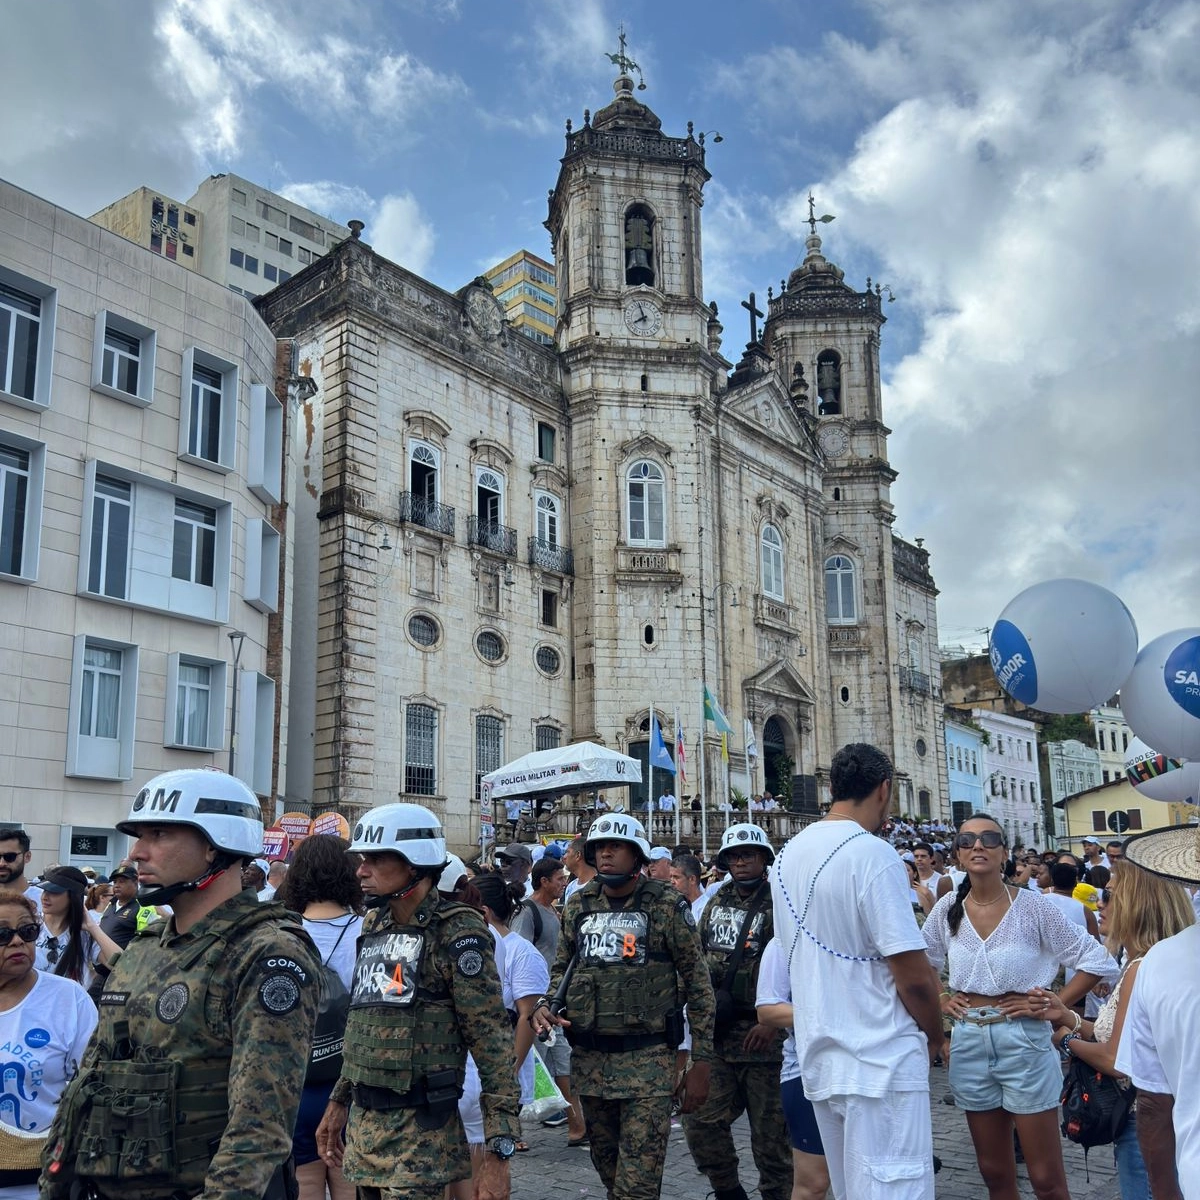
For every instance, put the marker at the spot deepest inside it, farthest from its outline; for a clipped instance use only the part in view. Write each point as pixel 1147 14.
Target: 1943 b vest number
pixel 613 937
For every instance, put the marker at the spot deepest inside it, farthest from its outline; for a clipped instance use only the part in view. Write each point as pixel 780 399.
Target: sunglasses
pixel 1106 896
pixel 991 838
pixel 27 933
pixel 11 856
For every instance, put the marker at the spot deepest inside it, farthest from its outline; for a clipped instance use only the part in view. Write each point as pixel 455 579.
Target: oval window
pixel 423 629
pixel 490 646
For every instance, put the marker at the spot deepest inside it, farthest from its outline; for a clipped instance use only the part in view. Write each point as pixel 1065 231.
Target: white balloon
pixel 1161 697
pixel 1171 780
pixel 1063 646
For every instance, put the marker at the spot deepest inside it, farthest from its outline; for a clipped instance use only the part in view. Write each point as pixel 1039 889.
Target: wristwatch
pixel 502 1147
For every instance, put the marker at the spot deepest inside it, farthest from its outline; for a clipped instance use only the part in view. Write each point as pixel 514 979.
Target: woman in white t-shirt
pixel 45 1024
pixel 321 885
pixel 72 943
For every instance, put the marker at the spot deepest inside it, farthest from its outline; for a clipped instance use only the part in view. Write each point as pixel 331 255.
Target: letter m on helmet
pixel 369 833
pixel 163 801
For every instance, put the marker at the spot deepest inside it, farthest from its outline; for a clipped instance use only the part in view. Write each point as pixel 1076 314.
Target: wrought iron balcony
pixel 915 681
pixel 551 557
pixel 491 535
pixel 417 510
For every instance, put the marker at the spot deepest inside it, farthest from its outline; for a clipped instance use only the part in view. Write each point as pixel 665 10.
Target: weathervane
pixel 813 218
pixel 623 62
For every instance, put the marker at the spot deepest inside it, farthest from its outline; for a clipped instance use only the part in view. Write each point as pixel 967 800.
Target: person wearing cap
pixel 192 1081
pixel 425 991
pixel 72 943
pixel 516 863
pixel 120 919
pixel 1093 855
pixel 1159 1048
pixel 660 864
pixel 254 876
pixel 747 1058
pixel 628 960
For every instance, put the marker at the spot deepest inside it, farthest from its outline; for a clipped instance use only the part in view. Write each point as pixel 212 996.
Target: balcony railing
pixel 551 557
pixel 491 535
pixel 417 510
pixel 915 681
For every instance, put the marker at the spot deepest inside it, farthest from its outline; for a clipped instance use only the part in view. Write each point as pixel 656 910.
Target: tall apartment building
pixel 525 286
pixel 139 469
pixel 232 231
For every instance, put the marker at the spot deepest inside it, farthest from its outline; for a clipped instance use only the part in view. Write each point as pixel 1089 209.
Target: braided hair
pixel 955 914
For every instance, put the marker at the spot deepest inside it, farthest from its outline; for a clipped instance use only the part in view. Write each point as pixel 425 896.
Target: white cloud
pixel 339 201
pixel 401 232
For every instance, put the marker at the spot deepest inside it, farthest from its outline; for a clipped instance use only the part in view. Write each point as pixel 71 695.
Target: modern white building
pixel 1073 768
pixel 1011 789
pixel 139 469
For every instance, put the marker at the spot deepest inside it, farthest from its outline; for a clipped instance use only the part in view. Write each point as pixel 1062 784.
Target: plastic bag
pixel 547 1098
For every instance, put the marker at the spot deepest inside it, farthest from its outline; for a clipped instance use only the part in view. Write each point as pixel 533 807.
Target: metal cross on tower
pixel 813 219
pixel 755 313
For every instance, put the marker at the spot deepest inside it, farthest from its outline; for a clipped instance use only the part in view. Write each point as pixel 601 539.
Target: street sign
pixel 1118 822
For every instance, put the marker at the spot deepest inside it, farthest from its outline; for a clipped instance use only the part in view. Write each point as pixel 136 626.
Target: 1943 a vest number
pixel 613 937
pixel 721 925
pixel 388 969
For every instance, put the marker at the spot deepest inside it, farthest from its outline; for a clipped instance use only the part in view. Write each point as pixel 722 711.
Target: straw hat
pixel 1173 852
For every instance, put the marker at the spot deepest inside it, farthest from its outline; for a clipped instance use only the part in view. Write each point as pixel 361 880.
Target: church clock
pixel 833 440
pixel 643 317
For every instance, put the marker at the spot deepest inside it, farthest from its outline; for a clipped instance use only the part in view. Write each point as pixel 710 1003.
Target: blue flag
pixel 660 758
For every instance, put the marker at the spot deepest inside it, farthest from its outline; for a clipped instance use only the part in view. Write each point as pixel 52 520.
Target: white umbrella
pixel 578 768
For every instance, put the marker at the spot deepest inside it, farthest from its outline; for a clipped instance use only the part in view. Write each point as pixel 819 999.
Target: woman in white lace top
pixel 1137 910
pixel 1004 945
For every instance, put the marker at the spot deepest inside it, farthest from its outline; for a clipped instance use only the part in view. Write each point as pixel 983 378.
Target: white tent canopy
pixel 577 768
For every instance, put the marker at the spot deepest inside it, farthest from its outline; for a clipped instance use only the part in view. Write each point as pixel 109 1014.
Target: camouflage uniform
pixel 423 995
pixel 191 1082
pixel 742 1080
pixel 634 953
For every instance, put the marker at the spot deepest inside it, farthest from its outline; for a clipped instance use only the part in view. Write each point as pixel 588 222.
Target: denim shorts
pixel 1010 1065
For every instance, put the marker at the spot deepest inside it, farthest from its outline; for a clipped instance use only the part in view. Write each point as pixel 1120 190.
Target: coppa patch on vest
pixel 468 954
pixel 279 994
pixel 388 970
pixel 171 1002
pixel 613 937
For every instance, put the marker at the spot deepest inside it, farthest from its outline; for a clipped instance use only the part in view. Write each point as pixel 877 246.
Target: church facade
pixel 502 546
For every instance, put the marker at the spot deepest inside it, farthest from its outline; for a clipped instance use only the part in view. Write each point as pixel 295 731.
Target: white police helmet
pixel 409 830
pixel 218 806
pixel 744 836
pixel 616 827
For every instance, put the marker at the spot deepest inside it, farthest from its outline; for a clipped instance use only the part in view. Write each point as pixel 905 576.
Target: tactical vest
pixel 138 1117
pixel 624 982
pixel 719 929
pixel 403 1025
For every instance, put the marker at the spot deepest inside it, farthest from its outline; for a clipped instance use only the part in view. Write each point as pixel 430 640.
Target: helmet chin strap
pixel 749 886
pixel 164 895
pixel 380 901
pixel 615 880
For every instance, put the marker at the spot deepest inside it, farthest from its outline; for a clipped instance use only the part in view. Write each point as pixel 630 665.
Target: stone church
pixel 501 546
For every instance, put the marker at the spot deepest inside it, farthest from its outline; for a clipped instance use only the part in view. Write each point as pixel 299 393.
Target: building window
pixel 270 274
pixel 550 608
pixel 547 737
pixel 304 254
pixel 239 197
pixel 207 436
pixel 490 646
pixel 840 606
pixel 1135 818
pixel 112 522
pixel 547 518
pixel 639 246
pixel 489 507
pixel 1107 776
pixel 423 464
pixel 1100 738
pixel 237 258
pixel 22 473
pixel 195 542
pixel 772 562
pixel 104 693
pixel 545 441
pixel 974 763
pixel 420 750
pixel 1099 820
pixel 27 311
pixel 424 630
pixel 198 691
pixel 271 213
pixel 923 749
pixel 188 251
pixel 548 660
pixel 646 494
pixel 123 363
pixel 489 748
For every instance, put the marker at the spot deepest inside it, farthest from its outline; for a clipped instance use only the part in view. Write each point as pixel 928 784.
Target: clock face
pixel 643 317
pixel 483 313
pixel 833 440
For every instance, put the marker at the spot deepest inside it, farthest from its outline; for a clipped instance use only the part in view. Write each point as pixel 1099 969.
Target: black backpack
pixel 329 1032
pixel 1095 1107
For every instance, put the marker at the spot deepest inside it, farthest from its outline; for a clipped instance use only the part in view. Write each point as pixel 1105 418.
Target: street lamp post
pixel 236 638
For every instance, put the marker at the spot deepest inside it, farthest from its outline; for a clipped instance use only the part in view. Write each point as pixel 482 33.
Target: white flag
pixel 751 744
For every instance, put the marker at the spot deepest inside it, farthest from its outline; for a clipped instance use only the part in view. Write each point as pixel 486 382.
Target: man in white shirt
pixel 867 1016
pixel 666 802
pixel 1159 1048
pixel 1093 855
pixel 922 853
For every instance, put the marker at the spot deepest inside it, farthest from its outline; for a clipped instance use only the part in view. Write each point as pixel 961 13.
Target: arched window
pixel 772 562
pixel 840 605
pixel 829 383
pixel 639 246
pixel 646 495
pixel 547 512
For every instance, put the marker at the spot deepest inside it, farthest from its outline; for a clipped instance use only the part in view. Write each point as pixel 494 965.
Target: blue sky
pixel 1023 173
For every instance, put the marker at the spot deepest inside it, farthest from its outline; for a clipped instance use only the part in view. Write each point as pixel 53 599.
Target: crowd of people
pixel 371 1017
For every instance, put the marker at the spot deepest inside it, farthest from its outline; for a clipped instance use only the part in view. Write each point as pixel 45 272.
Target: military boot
pixel 737 1193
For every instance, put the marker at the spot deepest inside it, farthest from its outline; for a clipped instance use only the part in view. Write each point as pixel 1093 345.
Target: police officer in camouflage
pixel 191 1082
pixel 425 992
pixel 628 960
pixel 747 1056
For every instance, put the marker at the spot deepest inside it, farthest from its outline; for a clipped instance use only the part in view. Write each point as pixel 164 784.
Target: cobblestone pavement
pixel 551 1171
